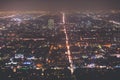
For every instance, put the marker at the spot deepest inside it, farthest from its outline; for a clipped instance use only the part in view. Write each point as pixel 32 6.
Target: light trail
pixel 63 18
pixel 114 22
pixel 67 44
pixel 7 16
pixel 109 21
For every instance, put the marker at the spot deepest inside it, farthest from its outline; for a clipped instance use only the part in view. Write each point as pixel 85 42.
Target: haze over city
pixel 58 4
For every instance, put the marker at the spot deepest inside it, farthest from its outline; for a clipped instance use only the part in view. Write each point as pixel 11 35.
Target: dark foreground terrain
pixel 49 74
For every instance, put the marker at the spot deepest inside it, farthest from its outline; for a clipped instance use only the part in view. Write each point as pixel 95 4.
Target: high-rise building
pixel 51 23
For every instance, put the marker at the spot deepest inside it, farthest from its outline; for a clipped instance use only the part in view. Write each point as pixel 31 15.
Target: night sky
pixel 58 4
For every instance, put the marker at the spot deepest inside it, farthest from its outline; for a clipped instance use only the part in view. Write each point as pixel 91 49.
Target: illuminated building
pixel 51 23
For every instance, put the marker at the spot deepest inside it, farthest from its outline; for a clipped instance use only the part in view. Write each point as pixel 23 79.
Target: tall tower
pixel 51 23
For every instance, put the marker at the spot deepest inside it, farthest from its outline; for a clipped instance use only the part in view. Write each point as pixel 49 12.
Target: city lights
pixel 61 45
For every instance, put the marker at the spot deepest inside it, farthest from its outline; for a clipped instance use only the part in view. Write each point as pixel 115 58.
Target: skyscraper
pixel 51 23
